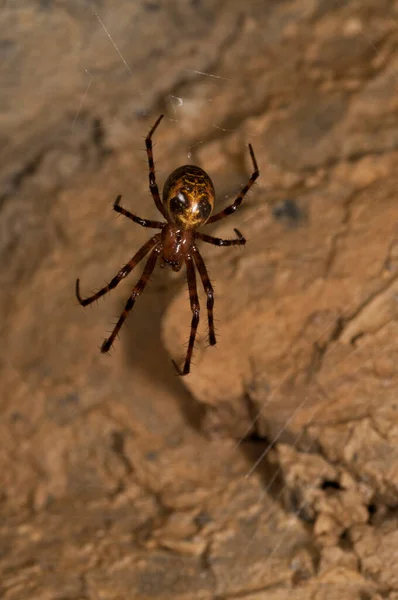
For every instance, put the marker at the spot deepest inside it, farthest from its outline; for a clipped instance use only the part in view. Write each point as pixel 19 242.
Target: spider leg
pixel 124 271
pixel 200 265
pixel 232 208
pixel 194 300
pixel 138 289
pixel 127 213
pixel 152 178
pixel 239 241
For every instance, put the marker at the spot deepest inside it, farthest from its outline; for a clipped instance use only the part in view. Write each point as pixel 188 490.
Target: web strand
pixel 112 41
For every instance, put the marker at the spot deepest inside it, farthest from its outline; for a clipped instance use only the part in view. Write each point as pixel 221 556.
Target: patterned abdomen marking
pixel 188 196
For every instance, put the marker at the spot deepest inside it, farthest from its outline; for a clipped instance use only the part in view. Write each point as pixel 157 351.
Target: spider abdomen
pixel 188 196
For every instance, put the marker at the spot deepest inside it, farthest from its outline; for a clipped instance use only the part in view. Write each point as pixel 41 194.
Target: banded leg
pixel 124 271
pixel 152 178
pixel 200 265
pixel 240 240
pixel 129 215
pixel 232 208
pixel 138 289
pixel 194 300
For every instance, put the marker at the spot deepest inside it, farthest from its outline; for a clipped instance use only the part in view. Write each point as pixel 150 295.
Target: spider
pixel 188 200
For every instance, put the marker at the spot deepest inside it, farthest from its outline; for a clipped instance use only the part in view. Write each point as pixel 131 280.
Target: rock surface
pixel 271 471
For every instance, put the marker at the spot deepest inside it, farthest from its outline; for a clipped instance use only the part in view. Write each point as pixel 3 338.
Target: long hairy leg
pixel 200 264
pixel 232 208
pixel 152 177
pixel 123 272
pixel 138 289
pixel 129 215
pixel 239 241
pixel 195 308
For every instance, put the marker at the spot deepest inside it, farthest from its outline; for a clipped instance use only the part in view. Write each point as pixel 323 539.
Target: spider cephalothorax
pixel 176 243
pixel 188 200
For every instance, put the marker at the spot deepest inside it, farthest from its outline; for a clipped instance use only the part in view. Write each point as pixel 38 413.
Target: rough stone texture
pixel 272 470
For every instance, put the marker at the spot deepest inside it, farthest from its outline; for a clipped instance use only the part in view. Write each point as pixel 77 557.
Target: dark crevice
pixel 118 447
pixel 28 170
pixel 205 559
pixel 372 510
pixel 319 350
pixel 289 211
pixel 256 438
pixel 255 434
pixel 356 337
pixel 364 305
pixel 345 542
pixel 293 503
pixel 144 532
pixel 258 455
pixel 337 329
pixel 202 519
pixel 328 484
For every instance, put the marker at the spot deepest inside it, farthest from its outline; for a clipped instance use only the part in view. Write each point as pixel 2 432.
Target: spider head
pixel 188 197
pixel 176 242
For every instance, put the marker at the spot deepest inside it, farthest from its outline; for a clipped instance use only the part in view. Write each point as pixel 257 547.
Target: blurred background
pixel 271 471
